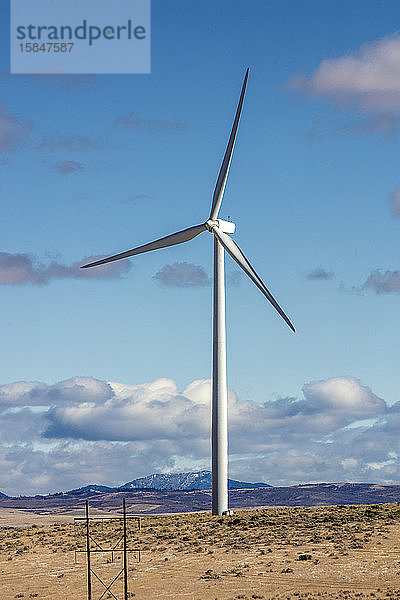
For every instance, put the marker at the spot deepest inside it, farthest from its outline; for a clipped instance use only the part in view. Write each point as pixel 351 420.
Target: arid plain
pixel 275 553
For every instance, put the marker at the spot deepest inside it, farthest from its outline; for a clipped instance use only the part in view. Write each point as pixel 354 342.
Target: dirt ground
pixel 344 552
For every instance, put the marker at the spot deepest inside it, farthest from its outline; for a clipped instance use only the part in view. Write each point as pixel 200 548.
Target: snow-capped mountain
pixel 197 480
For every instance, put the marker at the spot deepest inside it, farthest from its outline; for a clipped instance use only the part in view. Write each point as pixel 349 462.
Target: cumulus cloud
pixel 84 430
pixel 182 274
pixel 22 393
pixel 20 269
pixel 320 273
pixel 154 412
pixel 131 120
pixel 387 282
pixel 76 390
pixel 69 142
pixel 67 167
pixel 31 469
pixel 13 131
pixel 326 407
pixel 368 77
pixel 344 396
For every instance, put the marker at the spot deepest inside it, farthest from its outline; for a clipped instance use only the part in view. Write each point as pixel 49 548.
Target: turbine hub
pixel 224 226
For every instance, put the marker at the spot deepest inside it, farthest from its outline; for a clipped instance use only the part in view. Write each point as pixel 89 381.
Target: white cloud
pixel 22 393
pixel 83 430
pixel 155 411
pixel 345 395
pixel 349 463
pixel 368 77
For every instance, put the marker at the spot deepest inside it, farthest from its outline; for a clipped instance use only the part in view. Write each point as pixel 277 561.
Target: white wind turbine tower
pixel 222 242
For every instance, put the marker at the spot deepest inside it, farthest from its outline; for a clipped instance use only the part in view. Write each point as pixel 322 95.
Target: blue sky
pixel 93 165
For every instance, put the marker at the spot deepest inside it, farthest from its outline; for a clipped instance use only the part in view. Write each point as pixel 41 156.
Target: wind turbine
pixel 222 241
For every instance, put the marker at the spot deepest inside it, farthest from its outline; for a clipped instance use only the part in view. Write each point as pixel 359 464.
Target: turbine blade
pixel 223 174
pixel 233 249
pixel 170 240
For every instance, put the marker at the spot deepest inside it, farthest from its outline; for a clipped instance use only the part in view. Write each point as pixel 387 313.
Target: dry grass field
pixel 346 552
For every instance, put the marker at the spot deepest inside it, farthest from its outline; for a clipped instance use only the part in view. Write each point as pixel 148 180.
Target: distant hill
pixel 181 492
pixel 154 501
pixel 87 489
pixel 197 480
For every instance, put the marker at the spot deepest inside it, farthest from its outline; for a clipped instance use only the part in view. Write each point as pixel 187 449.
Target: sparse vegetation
pixel 344 552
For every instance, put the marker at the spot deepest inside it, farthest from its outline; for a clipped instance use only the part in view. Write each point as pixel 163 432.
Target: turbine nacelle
pixel 224 226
